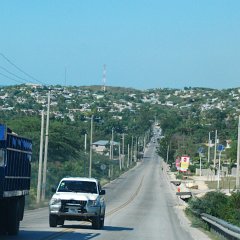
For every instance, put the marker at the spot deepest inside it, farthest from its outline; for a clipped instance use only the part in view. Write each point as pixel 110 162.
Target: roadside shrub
pixel 196 220
pixel 234 204
pixel 218 205
pixel 179 175
pixel 213 203
pixel 173 168
pixel 234 200
pixel 192 168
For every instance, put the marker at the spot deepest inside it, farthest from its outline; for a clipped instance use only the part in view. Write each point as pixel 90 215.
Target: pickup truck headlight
pixel 55 201
pixel 93 203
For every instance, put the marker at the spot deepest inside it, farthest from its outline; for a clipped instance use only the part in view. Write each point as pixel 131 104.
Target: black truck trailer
pixel 15 174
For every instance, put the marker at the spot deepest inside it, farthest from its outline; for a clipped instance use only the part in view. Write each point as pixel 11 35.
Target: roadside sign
pixel 103 167
pixel 200 150
pixel 185 161
pixel 178 163
pixel 220 147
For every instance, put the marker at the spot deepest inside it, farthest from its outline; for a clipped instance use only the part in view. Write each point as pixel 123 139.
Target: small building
pixel 102 146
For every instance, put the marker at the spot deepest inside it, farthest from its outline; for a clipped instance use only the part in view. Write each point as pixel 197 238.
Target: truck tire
pixel 53 220
pixel 96 222
pixel 60 221
pixel 3 223
pixel 13 217
pixel 21 207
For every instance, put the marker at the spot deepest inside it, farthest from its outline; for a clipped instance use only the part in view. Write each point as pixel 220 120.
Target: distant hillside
pixel 110 89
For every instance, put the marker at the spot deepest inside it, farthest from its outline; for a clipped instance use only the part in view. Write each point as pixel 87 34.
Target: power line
pixel 19 69
pixel 11 78
pixel 13 74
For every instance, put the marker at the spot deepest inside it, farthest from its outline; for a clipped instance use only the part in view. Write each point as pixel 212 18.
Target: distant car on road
pixel 78 199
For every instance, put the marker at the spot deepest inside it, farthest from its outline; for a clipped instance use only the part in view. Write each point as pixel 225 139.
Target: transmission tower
pixel 104 78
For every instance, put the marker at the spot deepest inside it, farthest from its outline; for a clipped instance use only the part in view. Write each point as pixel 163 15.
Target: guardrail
pixel 176 182
pixel 221 227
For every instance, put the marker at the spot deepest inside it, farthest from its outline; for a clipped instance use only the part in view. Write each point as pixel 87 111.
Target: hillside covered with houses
pixel 66 101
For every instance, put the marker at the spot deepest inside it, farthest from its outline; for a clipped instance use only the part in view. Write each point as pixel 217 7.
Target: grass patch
pixel 225 183
pixel 198 223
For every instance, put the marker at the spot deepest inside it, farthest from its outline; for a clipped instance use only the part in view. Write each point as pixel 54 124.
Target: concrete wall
pixel 205 172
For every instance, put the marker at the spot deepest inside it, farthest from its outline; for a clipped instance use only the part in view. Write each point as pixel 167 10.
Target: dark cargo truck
pixel 15 173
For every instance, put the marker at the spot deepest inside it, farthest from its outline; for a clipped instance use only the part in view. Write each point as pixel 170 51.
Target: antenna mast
pixel 104 78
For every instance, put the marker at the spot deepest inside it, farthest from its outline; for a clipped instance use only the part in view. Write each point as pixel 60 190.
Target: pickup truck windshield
pixel 77 186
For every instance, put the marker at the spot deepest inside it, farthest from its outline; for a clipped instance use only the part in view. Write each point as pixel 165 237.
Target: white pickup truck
pixel 78 199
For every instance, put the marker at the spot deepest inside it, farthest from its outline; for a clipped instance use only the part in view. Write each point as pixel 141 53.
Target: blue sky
pixel 144 44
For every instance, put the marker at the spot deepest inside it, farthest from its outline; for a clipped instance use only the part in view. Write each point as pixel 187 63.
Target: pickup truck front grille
pixel 73 205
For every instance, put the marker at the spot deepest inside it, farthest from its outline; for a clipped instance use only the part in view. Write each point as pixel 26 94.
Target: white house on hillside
pixel 102 146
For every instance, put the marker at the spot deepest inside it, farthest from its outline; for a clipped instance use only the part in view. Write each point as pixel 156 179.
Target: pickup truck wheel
pixel 53 220
pixel 13 218
pixel 96 222
pixel 3 222
pixel 60 221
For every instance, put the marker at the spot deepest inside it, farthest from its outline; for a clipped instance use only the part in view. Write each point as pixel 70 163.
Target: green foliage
pixel 179 175
pixel 196 220
pixel 219 205
pixel 192 168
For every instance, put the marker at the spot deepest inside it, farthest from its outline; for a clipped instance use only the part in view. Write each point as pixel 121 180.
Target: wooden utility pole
pixel 39 185
pixel 112 144
pixel 128 156
pixel 131 158
pixel 209 140
pixel 46 151
pixel 120 157
pixel 167 154
pixel 238 155
pixel 123 150
pixel 85 150
pixel 90 155
pixel 215 150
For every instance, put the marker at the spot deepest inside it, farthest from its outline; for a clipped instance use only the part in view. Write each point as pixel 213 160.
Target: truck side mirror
pixel 103 192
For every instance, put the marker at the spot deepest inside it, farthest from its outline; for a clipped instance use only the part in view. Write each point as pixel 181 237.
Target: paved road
pixel 140 205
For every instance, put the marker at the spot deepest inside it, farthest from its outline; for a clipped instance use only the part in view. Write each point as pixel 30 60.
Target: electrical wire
pixel 11 78
pixel 24 79
pixel 19 69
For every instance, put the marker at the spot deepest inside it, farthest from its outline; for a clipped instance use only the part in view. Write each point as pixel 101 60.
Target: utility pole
pixel 119 157
pixel 110 158
pixel 128 156
pixel 144 143
pixel 220 149
pixel 215 150
pixel 46 151
pixel 136 150
pixel 112 144
pixel 167 153
pixel 200 156
pixel 238 155
pixel 40 161
pixel 131 152
pixel 90 155
pixel 209 139
pixel 85 149
pixel 219 170
pixel 123 155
